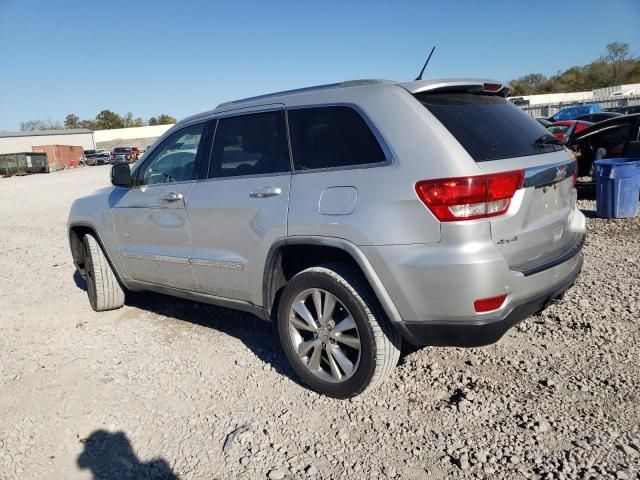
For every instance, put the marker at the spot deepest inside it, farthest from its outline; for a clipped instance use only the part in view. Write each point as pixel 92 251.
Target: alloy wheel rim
pixel 324 335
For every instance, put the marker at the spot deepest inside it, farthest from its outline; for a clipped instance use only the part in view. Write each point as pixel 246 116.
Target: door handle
pixel 265 192
pixel 172 197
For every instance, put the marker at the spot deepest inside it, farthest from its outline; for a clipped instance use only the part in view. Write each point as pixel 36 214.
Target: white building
pixel 151 131
pixel 18 142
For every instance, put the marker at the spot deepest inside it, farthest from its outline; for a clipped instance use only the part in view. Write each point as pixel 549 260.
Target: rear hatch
pixel 535 229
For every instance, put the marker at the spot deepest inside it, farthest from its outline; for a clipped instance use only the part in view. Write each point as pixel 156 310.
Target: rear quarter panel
pixel 387 210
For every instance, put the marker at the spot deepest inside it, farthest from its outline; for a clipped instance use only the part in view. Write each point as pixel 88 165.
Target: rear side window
pixel 250 145
pixel 326 137
pixel 489 127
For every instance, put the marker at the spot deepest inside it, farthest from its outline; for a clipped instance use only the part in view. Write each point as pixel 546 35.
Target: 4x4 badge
pixel 507 240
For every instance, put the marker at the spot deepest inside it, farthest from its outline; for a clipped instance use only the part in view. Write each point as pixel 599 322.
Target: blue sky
pixel 182 57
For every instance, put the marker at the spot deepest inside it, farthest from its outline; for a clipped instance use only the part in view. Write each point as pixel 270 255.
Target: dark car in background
pixel 122 155
pixel 628 110
pixel 101 158
pixel 617 137
pixel 598 117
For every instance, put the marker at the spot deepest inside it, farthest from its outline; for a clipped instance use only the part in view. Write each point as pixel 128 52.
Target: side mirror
pixel 121 175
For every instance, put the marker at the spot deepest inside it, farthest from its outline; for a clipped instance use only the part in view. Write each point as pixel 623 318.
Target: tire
pixel 369 343
pixel 103 289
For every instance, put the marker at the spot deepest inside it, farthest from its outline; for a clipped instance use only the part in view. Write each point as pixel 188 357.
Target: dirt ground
pixel 165 388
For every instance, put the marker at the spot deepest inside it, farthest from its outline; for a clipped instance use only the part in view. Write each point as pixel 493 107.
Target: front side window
pixel 175 159
pixel 328 137
pixel 253 144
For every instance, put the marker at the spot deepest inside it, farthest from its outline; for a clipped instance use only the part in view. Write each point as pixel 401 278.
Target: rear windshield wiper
pixel 547 139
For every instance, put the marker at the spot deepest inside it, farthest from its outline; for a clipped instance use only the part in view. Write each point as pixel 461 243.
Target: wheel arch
pixel 77 230
pixel 307 252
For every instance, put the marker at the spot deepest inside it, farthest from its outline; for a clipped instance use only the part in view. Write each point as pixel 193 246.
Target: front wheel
pixel 333 332
pixel 103 289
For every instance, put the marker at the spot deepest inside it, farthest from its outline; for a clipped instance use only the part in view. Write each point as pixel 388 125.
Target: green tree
pixel 127 120
pixel 165 119
pixel 615 67
pixel 107 120
pixel 153 121
pixel 72 121
pixel 90 124
pixel 529 83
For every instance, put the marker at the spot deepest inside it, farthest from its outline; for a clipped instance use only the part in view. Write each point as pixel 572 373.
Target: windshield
pixel 489 127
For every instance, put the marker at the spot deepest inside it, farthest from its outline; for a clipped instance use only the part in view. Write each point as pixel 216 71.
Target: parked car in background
pixel 273 205
pixel 544 122
pixel 598 117
pixel 122 155
pixel 617 137
pixel 102 157
pixel 135 153
pixel 564 128
pixel 571 113
pixel 519 101
pixel 623 93
pixel 87 155
pixel 627 110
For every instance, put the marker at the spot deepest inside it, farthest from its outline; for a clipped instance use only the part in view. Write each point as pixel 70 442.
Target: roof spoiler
pixel 468 85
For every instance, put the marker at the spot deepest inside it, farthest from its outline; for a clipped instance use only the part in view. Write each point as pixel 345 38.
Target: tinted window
pixel 610 142
pixel 174 160
pixel 487 126
pixel 250 145
pixel 327 137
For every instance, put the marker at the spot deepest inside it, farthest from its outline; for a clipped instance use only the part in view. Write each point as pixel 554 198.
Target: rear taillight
pixel 468 198
pixel 574 158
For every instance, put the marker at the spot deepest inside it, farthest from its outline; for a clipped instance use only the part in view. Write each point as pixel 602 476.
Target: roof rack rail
pixel 345 84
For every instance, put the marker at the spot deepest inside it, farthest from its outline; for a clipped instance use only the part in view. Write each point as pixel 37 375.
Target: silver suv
pixel 354 215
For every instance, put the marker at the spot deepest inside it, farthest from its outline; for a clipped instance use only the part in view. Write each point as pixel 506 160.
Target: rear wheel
pixel 103 289
pixel 333 332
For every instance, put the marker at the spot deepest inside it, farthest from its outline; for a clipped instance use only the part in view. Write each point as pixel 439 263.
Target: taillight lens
pixel 574 158
pixel 468 198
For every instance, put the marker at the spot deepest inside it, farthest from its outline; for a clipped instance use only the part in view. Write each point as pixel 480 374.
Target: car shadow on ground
pixel 110 456
pixel 79 281
pixel 258 335
pixel 589 213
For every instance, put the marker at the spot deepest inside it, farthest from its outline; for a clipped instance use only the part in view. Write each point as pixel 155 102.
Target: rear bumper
pixel 476 333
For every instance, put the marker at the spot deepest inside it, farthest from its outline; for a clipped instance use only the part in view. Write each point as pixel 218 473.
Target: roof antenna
pixel 419 77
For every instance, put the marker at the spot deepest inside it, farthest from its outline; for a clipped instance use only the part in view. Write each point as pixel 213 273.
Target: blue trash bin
pixel 617 187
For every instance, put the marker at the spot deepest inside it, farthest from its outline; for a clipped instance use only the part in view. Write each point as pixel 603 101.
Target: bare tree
pixel 617 54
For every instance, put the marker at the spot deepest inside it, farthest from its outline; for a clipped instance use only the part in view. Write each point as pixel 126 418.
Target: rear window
pixel 487 126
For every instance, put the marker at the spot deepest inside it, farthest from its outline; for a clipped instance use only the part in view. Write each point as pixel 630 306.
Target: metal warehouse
pixel 14 142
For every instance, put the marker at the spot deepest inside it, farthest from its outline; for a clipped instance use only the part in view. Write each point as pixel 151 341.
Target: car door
pixel 151 217
pixel 241 209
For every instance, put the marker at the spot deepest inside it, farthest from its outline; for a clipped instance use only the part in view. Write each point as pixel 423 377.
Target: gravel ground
pixel 166 388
